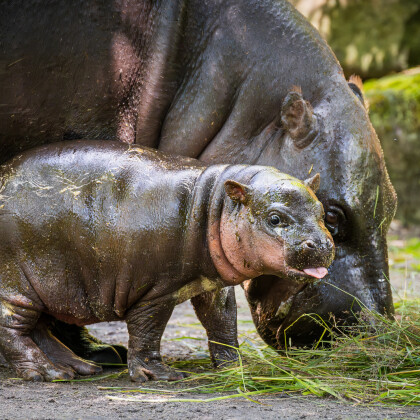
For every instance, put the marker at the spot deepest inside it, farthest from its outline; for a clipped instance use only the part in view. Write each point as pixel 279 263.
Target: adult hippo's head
pixel 336 139
pixel 239 106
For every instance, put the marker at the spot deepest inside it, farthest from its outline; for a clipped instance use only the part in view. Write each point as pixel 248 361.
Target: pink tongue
pixel 318 272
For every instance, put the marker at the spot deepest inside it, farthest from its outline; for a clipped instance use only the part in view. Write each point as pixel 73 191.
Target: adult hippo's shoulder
pixel 214 81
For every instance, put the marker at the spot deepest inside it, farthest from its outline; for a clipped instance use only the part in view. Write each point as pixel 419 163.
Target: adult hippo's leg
pixel 87 346
pixel 217 312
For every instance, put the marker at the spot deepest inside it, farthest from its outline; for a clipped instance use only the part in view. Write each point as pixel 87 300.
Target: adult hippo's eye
pixel 331 222
pixel 334 218
pixel 331 218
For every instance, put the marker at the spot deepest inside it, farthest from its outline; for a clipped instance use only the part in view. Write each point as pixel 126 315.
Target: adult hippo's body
pixel 211 80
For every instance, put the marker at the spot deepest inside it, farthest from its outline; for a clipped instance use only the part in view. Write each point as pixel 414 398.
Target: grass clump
pixel 376 361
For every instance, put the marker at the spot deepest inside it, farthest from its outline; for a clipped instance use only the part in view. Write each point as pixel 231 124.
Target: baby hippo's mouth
pixel 318 272
pixel 307 273
pixel 309 260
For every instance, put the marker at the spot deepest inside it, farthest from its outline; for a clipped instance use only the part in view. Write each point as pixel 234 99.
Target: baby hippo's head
pixel 275 225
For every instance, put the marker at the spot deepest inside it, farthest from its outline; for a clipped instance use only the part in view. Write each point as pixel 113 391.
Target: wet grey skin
pixel 213 81
pixel 95 231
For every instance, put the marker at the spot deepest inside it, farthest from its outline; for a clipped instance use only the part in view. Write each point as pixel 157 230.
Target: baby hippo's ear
pixel 237 192
pixel 313 183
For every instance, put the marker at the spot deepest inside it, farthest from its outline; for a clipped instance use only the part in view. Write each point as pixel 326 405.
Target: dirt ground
pixel 86 400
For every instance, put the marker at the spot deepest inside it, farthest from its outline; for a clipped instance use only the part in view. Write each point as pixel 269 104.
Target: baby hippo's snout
pixel 313 256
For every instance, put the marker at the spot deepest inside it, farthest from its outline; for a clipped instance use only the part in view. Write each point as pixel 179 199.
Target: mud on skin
pixel 214 81
pixel 101 231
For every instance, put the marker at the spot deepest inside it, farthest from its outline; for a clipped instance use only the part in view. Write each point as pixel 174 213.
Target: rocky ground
pixel 88 400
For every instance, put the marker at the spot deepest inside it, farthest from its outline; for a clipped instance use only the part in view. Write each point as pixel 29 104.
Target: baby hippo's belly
pixel 73 293
pixel 75 306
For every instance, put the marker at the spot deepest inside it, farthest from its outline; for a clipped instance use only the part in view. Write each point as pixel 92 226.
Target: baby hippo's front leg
pixel 146 322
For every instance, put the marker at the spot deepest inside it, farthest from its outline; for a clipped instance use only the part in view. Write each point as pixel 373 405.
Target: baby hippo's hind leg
pixel 16 324
pixel 58 353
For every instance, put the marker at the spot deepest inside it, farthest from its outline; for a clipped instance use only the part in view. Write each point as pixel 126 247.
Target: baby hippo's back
pixel 75 174
pixel 77 213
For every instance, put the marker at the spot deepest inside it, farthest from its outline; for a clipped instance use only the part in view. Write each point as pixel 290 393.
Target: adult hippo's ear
pixel 356 85
pixel 313 183
pixel 237 192
pixel 298 118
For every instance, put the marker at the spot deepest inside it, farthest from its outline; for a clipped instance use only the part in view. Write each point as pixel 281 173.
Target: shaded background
pixel 380 41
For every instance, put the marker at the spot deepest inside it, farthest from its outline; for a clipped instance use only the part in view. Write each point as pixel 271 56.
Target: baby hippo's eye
pixel 275 220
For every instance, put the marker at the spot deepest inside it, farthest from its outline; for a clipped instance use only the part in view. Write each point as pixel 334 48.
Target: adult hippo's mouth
pixel 270 317
pixel 303 277
pixel 275 303
pixel 280 322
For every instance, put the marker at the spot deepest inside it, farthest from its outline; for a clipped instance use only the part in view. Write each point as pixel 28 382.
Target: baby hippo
pixel 100 231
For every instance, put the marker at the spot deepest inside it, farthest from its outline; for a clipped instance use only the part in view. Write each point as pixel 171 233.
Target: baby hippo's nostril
pixel 309 244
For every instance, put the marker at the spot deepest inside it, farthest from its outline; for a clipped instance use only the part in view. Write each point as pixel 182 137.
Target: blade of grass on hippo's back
pixel 377 361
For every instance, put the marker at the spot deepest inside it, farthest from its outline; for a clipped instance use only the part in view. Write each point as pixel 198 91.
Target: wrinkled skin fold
pixel 213 81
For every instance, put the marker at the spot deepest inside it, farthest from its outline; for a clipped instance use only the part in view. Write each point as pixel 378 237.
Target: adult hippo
pixel 212 80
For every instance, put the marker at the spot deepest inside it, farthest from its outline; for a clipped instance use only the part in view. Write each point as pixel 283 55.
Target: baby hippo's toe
pixel 46 374
pixel 58 374
pixel 85 368
pixel 78 366
pixel 31 375
pixel 156 371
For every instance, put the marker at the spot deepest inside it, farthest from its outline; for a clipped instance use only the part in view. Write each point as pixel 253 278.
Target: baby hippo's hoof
pixel 32 375
pixel 156 371
pixel 223 356
pixel 47 375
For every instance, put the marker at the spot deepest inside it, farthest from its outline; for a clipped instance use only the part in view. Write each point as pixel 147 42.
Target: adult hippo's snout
pixel 298 316
pixel 370 289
